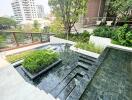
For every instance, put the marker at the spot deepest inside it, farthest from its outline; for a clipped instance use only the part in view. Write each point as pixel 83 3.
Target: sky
pixel 6 9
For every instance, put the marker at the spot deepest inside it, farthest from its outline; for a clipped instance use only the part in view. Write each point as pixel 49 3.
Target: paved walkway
pixel 14 87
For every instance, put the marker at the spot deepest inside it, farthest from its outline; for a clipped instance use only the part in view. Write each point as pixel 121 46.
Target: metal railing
pixel 12 40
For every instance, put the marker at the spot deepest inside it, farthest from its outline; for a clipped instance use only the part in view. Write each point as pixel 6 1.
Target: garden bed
pixel 35 75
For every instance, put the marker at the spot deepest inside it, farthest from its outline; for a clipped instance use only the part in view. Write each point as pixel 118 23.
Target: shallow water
pixel 113 80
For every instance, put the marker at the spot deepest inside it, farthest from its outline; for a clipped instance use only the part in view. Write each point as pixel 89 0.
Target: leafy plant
pixel 38 60
pixel 82 37
pixel 103 31
pixel 89 47
pixel 57 26
pixel 123 36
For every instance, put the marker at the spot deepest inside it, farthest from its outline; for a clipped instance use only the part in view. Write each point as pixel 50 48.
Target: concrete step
pixel 88 62
pixel 87 57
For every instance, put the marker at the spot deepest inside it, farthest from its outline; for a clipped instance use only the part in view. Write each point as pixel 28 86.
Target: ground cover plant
pixel 15 57
pixel 103 31
pixel 122 36
pixel 89 47
pixel 39 60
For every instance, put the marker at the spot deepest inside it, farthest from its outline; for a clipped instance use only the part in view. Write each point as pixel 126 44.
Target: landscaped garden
pixel 39 60
pixel 69 71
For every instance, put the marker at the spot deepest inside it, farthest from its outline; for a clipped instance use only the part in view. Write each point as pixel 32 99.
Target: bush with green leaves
pixel 89 47
pixel 103 31
pixel 81 37
pixel 123 36
pixel 39 60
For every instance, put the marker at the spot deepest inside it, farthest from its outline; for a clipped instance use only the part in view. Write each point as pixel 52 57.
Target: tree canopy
pixel 6 22
pixel 121 8
pixel 69 11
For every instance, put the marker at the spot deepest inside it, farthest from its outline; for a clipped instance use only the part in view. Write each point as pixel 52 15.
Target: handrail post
pixel 31 37
pixel 15 39
pixel 41 37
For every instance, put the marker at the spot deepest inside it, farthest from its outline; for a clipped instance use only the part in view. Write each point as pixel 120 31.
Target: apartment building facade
pixel 24 10
pixel 40 11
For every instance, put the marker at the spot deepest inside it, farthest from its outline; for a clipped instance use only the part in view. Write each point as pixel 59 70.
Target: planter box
pixel 33 76
pixel 100 41
pixel 81 51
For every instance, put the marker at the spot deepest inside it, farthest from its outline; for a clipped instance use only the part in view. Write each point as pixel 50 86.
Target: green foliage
pixel 57 26
pixel 89 47
pixel 69 11
pixel 38 60
pixel 6 23
pixel 82 37
pixel 103 31
pixel 15 57
pixel 1 38
pixel 36 24
pixel 121 8
pixel 123 36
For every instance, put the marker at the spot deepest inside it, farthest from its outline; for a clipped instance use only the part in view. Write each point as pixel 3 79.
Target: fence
pixel 11 40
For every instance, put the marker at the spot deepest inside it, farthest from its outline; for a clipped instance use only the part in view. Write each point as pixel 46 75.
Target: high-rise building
pixel 40 11
pixel 24 10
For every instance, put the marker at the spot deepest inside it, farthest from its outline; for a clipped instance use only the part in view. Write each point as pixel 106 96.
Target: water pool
pixel 56 47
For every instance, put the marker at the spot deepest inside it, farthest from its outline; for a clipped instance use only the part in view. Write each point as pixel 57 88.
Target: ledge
pixel 88 53
pixel 33 76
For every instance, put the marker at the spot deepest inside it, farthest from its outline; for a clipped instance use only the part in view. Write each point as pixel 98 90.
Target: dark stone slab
pixel 70 87
pixel 17 64
pixel 57 90
pixel 88 57
pixel 49 82
pixel 85 61
pixel 33 76
pixel 113 78
pixel 79 89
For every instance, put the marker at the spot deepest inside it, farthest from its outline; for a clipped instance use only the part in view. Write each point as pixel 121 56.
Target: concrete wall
pixel 59 40
pixel 100 41
pixel 95 9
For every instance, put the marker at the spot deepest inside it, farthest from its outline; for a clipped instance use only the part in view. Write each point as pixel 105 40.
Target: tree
pixel 121 8
pixel 27 27
pixel 57 26
pixel 6 23
pixel 69 11
pixel 36 25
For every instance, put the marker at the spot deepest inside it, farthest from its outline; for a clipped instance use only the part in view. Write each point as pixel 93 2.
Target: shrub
pixel 122 36
pixel 38 60
pixel 15 57
pixel 103 31
pixel 89 47
pixel 82 37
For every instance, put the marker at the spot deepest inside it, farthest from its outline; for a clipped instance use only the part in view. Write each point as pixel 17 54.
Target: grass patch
pixel 89 47
pixel 39 60
pixel 16 57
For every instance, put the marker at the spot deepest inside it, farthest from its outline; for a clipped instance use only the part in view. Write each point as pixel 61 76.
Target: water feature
pixel 113 79
pixel 81 77
pixel 64 79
